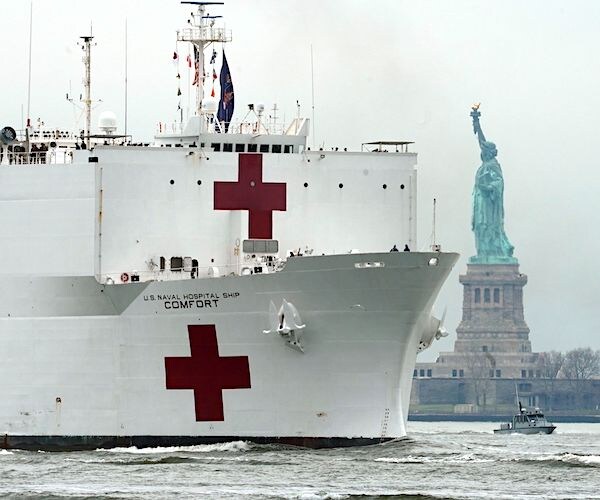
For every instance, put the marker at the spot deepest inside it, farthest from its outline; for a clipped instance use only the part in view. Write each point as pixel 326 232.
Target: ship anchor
pixel 287 323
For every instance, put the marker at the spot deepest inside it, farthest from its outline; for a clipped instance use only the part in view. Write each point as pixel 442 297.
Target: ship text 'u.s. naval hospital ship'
pixel 205 288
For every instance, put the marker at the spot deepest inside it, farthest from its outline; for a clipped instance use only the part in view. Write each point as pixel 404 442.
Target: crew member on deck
pixel 394 248
pixel 406 249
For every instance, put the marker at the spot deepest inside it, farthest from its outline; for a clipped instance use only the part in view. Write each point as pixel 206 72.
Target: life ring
pixel 124 277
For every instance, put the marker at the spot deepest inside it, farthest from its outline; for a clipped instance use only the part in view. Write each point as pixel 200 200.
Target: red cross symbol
pixel 207 373
pixel 252 194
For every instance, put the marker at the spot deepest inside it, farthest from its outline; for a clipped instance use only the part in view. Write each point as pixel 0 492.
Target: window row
pixel 229 147
pixel 487 295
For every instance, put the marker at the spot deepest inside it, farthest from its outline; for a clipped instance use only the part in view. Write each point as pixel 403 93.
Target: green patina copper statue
pixel 491 242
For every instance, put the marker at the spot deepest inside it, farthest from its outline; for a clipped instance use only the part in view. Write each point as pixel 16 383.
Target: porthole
pixel 340 185
pixel 306 184
pixel 171 182
pixel 384 186
pixel 401 186
pixel 199 182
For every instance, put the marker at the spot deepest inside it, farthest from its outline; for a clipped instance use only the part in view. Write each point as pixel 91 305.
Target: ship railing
pixel 50 157
pixel 235 127
pixel 242 269
pixel 204 34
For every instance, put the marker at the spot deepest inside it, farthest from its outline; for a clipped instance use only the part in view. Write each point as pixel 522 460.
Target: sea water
pixel 440 460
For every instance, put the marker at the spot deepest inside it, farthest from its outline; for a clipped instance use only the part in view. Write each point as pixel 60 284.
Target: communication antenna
pixel 433 244
pixel 312 84
pixel 201 33
pixel 87 82
pixel 125 79
pixel 29 77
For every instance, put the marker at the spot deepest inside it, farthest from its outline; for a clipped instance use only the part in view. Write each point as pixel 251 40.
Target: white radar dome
pixel 209 105
pixel 260 107
pixel 107 122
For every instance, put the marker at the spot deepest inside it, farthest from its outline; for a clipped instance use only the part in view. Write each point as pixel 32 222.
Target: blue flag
pixel 225 111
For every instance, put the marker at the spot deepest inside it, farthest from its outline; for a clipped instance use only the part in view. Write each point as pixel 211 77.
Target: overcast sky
pixel 383 69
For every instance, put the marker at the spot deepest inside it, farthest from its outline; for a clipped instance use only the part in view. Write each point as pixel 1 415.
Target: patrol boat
pixel 224 282
pixel 527 422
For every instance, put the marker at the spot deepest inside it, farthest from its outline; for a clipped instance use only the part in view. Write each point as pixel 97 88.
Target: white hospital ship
pixel 210 286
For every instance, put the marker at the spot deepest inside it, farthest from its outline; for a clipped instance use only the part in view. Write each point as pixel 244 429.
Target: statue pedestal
pixel 493 320
pixel 476 259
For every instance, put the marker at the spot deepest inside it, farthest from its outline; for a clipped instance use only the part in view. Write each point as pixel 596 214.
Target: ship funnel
pixel 8 135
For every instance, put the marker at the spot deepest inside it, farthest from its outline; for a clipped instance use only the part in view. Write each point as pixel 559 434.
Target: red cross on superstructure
pixel 207 373
pixel 252 194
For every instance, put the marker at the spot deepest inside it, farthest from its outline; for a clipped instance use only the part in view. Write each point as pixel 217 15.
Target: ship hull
pixel 88 366
pixel 527 430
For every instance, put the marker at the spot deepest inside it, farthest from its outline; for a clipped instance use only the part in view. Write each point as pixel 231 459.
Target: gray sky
pixel 384 69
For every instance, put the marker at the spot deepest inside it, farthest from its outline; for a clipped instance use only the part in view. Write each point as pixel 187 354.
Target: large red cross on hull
pixel 252 194
pixel 207 373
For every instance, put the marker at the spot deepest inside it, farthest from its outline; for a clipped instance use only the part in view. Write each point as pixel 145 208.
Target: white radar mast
pixel 201 33
pixel 87 81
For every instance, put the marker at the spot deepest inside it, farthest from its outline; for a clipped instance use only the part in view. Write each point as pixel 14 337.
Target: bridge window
pixel 252 148
pixel 260 246
pixel 496 295
pixel 523 373
pixel 216 146
pixel 461 373
pixel 486 295
pixel 239 148
pixel 429 372
pixel 276 148
pixel 421 373
pixel 498 373
pixel 454 373
pixel 264 148
pixel 176 263
pixel 228 147
pixel 288 148
pixel 415 373
pixel 477 295
pixel 484 348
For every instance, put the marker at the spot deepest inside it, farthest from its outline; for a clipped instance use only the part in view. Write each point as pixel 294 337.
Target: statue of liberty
pixel 487 223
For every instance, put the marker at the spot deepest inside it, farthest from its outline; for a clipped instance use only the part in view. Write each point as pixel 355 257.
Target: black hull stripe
pixel 83 443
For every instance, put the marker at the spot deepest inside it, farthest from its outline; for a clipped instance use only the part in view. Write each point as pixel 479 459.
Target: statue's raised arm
pixel 475 114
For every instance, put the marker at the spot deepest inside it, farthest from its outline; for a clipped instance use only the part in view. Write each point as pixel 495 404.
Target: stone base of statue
pixel 493 319
pixel 490 259
pixel 492 338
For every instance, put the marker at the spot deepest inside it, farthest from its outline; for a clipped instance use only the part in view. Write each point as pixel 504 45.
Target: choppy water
pixel 440 460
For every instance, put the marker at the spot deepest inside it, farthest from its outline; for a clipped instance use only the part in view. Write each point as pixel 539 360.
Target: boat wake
pixel 233 446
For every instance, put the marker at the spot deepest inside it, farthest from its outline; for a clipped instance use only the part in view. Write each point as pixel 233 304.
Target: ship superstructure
pixel 227 282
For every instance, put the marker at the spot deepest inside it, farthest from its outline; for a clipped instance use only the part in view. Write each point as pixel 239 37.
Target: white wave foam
pixel 6 452
pixel 318 496
pixel 233 446
pixel 404 460
pixel 451 459
pixel 571 458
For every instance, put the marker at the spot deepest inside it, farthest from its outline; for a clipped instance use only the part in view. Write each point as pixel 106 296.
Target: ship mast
pixel 201 33
pixel 87 81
